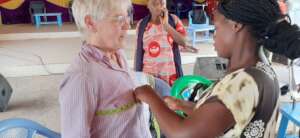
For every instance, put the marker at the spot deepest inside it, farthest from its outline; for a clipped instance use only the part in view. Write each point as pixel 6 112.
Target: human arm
pixel 178 33
pixel 202 123
pixel 177 104
pixel 230 105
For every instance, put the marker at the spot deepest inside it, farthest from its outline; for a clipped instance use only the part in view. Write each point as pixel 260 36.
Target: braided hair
pixel 267 24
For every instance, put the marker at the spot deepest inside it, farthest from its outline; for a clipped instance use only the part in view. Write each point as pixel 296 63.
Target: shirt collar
pixel 98 55
pixel 93 52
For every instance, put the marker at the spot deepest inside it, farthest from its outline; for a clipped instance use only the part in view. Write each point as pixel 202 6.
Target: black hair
pixel 267 24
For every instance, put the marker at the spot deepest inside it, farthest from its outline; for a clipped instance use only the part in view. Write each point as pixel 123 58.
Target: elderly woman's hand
pixel 145 94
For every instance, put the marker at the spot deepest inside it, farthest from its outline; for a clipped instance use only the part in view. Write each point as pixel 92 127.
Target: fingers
pixel 164 15
pixel 172 103
pixel 191 49
pixel 194 50
pixel 169 98
pixel 165 10
pixel 136 100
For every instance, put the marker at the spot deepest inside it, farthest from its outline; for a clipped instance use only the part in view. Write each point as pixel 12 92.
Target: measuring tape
pixel 118 110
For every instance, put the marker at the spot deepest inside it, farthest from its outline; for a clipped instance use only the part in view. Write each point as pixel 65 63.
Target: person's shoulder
pixel 83 74
pixel 175 18
pixel 83 67
pixel 138 24
pixel 140 21
pixel 238 91
pixel 262 73
pixel 77 70
pixel 73 77
pixel 265 77
pixel 240 74
pixel 237 83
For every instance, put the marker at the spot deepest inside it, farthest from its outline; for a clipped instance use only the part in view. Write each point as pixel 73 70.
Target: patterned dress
pixel 158 56
pixel 251 95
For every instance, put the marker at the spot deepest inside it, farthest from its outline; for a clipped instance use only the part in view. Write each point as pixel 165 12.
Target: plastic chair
pixel 178 7
pixel 23 128
pixel 5 93
pixel 36 7
pixel 193 29
pixel 289 113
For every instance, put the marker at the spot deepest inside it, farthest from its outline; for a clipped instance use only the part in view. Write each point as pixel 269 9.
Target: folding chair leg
pixel 282 127
pixel 37 21
pixel 59 20
pixel 206 34
pixel 194 38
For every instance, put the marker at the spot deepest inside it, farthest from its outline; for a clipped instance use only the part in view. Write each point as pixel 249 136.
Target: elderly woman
pixel 245 102
pixel 96 95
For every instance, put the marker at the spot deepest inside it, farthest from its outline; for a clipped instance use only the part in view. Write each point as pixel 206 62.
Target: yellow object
pixel 156 126
pixel 140 2
pixel 12 4
pixel 114 111
pixel 60 3
pixel 200 1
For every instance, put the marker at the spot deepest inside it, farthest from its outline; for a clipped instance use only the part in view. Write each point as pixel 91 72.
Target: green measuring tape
pixel 156 126
pixel 120 109
pixel 123 108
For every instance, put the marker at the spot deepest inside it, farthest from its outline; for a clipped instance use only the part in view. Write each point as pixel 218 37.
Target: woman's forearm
pixel 178 38
pixel 187 107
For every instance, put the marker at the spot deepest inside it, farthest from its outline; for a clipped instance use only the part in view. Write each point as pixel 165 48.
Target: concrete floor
pixel 41 56
pixel 35 98
pixel 30 28
pixel 35 68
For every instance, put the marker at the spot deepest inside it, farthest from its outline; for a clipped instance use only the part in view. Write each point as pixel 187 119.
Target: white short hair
pixel 164 1
pixel 97 9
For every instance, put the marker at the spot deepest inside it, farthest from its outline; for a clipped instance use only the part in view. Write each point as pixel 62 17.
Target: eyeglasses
pixel 121 19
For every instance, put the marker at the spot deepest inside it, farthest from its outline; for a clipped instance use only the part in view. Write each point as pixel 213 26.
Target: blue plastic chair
pixel 23 128
pixel 36 7
pixel 193 29
pixel 289 114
